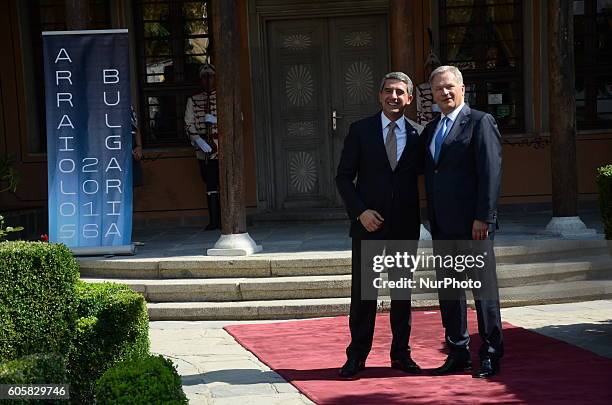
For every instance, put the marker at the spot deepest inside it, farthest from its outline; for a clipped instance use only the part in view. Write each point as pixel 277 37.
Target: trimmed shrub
pixel 148 380
pixel 113 326
pixel 8 334
pixel 37 298
pixel 34 369
pixel 604 183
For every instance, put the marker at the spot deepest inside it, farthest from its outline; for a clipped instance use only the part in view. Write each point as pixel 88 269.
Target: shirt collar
pixel 453 114
pixel 401 123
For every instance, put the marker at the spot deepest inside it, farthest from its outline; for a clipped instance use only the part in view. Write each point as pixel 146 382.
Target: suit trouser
pixel 453 307
pixel 362 316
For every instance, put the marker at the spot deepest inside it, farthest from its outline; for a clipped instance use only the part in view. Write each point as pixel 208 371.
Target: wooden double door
pixel 324 73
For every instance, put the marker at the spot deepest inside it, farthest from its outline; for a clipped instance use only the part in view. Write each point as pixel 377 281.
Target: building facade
pixel 308 69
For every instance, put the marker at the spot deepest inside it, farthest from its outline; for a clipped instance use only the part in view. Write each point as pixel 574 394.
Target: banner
pixel 89 142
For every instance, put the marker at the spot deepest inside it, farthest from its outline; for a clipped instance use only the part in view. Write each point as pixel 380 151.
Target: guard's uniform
pixel 427 110
pixel 197 107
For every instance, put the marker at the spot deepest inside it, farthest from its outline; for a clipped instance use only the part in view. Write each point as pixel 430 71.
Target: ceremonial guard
pixel 201 127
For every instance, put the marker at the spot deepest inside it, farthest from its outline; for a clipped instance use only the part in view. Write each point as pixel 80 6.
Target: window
pixel 593 56
pixel 484 39
pixel 49 15
pixel 173 40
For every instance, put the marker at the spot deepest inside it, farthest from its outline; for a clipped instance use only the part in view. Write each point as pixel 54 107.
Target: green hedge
pixel 34 369
pixel 37 298
pixel 113 326
pixel 604 182
pixel 49 368
pixel 148 380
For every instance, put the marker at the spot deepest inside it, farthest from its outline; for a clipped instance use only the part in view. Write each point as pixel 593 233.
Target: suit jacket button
pixel 436 171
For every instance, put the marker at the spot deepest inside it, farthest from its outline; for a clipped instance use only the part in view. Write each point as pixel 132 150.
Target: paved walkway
pixel 216 370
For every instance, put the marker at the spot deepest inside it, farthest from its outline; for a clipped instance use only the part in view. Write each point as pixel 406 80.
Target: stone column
pixel 562 121
pixel 401 42
pixel 234 240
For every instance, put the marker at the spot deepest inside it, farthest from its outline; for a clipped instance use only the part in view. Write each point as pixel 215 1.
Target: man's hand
pixel 480 230
pixel 371 220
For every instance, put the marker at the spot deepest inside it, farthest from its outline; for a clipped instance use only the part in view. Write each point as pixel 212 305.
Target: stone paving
pixel 215 369
pixel 325 237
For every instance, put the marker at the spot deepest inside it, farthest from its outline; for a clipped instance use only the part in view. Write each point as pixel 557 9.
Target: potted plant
pixel 604 183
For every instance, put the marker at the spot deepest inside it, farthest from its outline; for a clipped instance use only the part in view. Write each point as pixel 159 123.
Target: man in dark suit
pixel 462 181
pixel 382 152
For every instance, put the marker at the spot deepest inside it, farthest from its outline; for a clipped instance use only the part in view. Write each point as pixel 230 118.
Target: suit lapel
pixel 376 133
pixel 418 127
pixel 458 126
pixel 411 133
pixel 430 134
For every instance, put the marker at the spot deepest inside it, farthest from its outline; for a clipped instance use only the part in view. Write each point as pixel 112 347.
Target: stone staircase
pixel 313 284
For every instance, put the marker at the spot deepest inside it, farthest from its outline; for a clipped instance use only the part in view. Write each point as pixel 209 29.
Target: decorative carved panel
pixel 299 85
pixel 300 129
pixel 297 42
pixel 358 39
pixel 359 81
pixel 302 172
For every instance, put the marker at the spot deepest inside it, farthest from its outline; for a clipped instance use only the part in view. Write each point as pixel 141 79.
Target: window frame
pixel 591 69
pixel 181 88
pixel 481 75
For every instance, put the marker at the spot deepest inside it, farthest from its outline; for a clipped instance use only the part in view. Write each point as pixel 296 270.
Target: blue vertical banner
pixel 89 142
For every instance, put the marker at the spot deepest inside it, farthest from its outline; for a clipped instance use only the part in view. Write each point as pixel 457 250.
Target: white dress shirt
pixel 400 133
pixel 452 116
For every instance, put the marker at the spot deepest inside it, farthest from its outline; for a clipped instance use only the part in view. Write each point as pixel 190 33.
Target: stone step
pixel 584 268
pixel 247 310
pixel 239 289
pixel 280 309
pixel 547 250
pixel 216 267
pixel 572 291
pixel 302 264
pixel 568 291
pixel 336 286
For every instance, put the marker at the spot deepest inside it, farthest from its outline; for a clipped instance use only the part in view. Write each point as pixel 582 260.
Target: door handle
pixel 335 118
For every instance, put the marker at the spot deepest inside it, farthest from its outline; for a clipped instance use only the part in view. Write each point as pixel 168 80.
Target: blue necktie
pixel 439 138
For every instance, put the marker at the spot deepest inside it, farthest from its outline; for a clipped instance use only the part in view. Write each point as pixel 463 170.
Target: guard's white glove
pixel 210 119
pixel 203 145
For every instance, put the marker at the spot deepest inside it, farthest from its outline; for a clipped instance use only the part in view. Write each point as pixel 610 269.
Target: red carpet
pixel 535 369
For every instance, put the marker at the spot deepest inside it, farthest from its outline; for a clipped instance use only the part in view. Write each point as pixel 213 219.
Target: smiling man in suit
pixel 462 181
pixel 382 152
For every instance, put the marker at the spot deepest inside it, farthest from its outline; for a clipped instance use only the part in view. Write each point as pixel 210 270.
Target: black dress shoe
pixel 351 368
pixel 406 364
pixel 488 368
pixel 453 364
